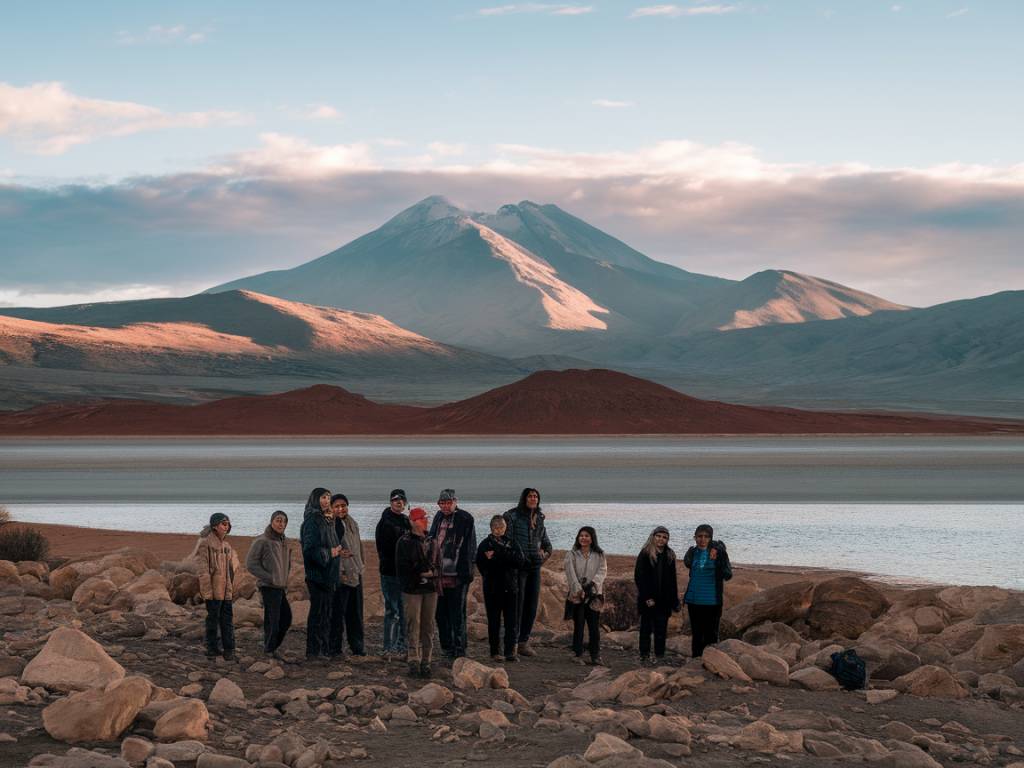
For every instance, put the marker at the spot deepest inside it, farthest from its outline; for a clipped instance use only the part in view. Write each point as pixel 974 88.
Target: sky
pixel 156 149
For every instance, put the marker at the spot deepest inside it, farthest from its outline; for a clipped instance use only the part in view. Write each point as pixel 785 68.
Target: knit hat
pixel 219 517
pixel 417 513
pixel 398 493
pixel 661 529
pixel 339 497
pixel 448 494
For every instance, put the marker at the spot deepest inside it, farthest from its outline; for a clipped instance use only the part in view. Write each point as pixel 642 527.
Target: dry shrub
pixel 23 544
pixel 5 515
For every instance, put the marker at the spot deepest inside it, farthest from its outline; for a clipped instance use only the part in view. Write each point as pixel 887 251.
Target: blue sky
pixel 619 111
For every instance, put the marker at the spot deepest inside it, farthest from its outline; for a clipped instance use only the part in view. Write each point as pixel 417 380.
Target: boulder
pixel 762 737
pixel 930 619
pixel 96 594
pixel 71 661
pixel 958 638
pixel 150 586
pixel 893 628
pixel 432 696
pixel 605 746
pixel 965 602
pixel 887 660
pixel 118 575
pixel 720 663
pixel 189 720
pixel 469 674
pixel 99 714
pixel 620 604
pixel 814 679
pixel 772 633
pixel 838 619
pixel 136 750
pixel 1000 646
pixel 184 751
pixel 758 663
pixel 783 603
pixel 930 681
pixel 244 586
pixel 673 729
pixel 183 587
pixel 851 591
pixel 227 693
pixel 1010 611
pixel 9 573
pixel 76 757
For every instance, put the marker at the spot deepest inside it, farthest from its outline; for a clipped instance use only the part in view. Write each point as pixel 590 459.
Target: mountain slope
pixel 548 402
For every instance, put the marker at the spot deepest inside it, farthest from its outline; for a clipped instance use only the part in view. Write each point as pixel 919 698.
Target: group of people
pixel 426 569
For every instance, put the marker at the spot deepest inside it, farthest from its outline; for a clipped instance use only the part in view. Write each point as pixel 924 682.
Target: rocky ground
pixel 101 665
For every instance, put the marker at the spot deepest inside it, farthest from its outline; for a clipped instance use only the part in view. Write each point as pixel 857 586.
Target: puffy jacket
pixel 412 559
pixel 533 540
pixel 217 565
pixel 500 572
pixel 270 559
pixel 318 539
pixel 390 529
pixel 460 544
pixel 656 581
pixel 723 568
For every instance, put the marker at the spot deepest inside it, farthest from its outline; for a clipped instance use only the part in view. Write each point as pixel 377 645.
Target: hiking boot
pixel 511 659
pixel 229 655
pixel 645 661
pixel 525 649
pixel 577 658
pixel 425 670
pixel 212 654
pixel 596 661
pixel 496 657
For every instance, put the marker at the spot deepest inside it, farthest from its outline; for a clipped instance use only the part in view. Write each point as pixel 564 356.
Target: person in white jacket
pixel 585 570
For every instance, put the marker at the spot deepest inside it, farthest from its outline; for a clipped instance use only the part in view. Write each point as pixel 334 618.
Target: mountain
pixel 566 402
pixel 533 279
pixel 236 333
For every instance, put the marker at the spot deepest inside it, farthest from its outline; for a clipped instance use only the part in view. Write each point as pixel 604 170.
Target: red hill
pixel 594 402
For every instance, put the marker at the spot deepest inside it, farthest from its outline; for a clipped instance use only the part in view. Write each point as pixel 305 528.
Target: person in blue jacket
pixel 709 567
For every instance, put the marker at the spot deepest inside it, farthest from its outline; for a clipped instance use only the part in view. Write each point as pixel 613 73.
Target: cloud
pixel 322 112
pixel 612 104
pixel 960 12
pixel 46 118
pixel 42 297
pixel 913 235
pixel 163 35
pixel 896 8
pixel 538 8
pixel 674 11
pixel 445 149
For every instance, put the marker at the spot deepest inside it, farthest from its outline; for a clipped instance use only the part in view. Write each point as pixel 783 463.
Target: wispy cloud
pixel 294 157
pixel 674 11
pixel 959 12
pixel 546 9
pixel 322 112
pixel 47 119
pixel 177 34
pixel 446 149
pixel 612 103
pixel 41 297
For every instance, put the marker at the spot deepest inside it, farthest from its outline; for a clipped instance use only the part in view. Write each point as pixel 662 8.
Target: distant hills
pixel 569 402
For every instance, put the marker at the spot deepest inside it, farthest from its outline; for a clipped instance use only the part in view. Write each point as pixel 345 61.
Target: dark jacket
pixel 533 541
pixel 270 559
pixel 656 581
pixel 318 539
pixel 723 568
pixel 501 571
pixel 412 559
pixel 460 544
pixel 389 530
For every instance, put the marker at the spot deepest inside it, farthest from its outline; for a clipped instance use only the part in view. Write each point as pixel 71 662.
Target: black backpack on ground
pixel 849 669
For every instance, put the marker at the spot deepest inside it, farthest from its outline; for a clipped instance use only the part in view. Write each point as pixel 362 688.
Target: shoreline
pixel 382 436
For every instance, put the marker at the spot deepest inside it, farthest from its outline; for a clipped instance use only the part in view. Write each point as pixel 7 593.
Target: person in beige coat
pixel 585 570
pixel 217 565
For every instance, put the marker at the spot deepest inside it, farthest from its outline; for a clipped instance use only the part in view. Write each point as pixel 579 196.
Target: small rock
pixel 606 746
pixel 881 695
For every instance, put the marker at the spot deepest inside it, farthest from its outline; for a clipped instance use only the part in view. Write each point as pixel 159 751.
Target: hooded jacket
pixel 460 544
pixel 656 581
pixel 723 568
pixel 217 565
pixel 318 539
pixel 532 539
pixel 500 572
pixel 270 559
pixel 389 530
pixel 348 535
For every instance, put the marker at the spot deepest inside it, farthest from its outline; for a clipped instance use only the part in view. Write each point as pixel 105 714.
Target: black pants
pixel 653 620
pixel 451 619
pixel 277 617
pixel 501 606
pixel 220 626
pixel 581 614
pixel 704 621
pixel 318 626
pixel 347 618
pixel 527 600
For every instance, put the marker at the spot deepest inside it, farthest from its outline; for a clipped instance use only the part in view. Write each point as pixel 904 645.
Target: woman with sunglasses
pixel 709 568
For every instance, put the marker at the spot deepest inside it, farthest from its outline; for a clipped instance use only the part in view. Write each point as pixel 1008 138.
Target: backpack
pixel 849 669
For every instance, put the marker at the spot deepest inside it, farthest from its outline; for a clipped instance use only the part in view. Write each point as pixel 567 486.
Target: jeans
pixel 394 618
pixel 318 626
pixel 704 620
pixel 419 625
pixel 220 626
pixel 581 614
pixel 653 620
pixel 527 599
pixel 277 617
pixel 451 619
pixel 501 606
pixel 347 617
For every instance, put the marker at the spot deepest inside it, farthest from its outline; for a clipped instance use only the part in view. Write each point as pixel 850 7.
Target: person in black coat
pixel 454 532
pixel 499 560
pixel 321 558
pixel 392 526
pixel 657 592
pixel 526 527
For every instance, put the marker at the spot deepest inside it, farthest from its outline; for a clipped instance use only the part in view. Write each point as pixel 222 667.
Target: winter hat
pixel 398 493
pixel 448 494
pixel 661 529
pixel 219 517
pixel 417 513
pixel 339 497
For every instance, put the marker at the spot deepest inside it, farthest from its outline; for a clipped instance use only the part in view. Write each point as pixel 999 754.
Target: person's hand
pixel 489 554
pixel 335 551
pixel 546 554
pixel 650 603
pixel 345 552
pixel 714 553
